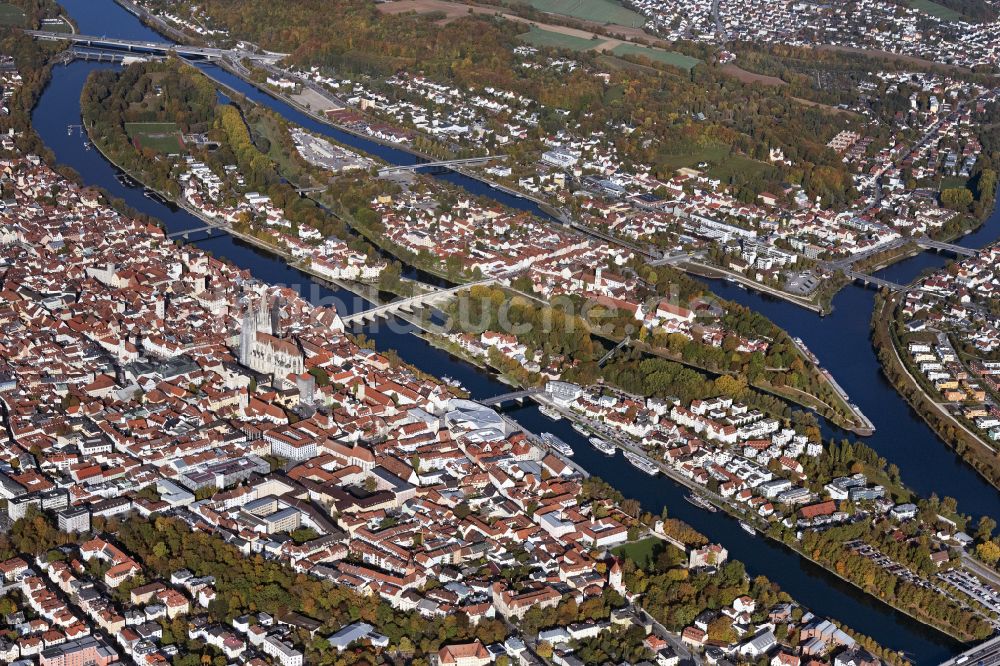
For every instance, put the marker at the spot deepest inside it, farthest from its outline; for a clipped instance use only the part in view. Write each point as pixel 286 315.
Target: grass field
pixel 599 11
pixel 11 15
pixel 161 137
pixel 710 154
pixel 668 57
pixel 934 9
pixel 546 38
pixel 643 552
pixel 721 164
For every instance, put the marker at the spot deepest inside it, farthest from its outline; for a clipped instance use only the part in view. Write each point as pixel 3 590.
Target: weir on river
pixel 841 341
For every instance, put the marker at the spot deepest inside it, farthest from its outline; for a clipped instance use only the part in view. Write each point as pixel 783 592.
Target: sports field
pixel 11 15
pixel 161 137
pixel 546 38
pixel 668 57
pixel 599 11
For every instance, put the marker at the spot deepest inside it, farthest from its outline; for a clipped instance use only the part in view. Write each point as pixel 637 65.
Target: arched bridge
pixel 420 300
pixel 469 161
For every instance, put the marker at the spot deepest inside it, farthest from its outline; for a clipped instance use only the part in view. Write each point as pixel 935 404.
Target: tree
pixel 988 552
pixel 984 531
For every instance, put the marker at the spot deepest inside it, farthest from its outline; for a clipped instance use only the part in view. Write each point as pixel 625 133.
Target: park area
pixel 598 11
pixel 11 15
pixel 160 137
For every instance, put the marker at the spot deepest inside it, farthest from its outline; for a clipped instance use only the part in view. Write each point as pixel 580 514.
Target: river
pixel 840 340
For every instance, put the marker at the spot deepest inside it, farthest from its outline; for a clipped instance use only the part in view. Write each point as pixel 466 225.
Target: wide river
pixel 840 340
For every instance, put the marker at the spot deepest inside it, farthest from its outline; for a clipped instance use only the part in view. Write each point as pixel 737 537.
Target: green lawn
pixel 11 15
pixel 721 164
pixel 934 9
pixel 668 57
pixel 711 154
pixel 599 11
pixel 161 137
pixel 546 38
pixel 737 164
pixel 643 552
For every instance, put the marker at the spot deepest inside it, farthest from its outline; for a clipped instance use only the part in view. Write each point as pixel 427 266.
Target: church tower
pixel 248 333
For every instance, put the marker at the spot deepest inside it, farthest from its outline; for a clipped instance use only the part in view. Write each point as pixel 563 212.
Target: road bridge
pixel 469 161
pixel 518 396
pixel 984 654
pixel 161 48
pixel 930 244
pixel 871 279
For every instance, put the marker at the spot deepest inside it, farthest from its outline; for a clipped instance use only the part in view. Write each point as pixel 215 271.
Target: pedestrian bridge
pixel 518 396
pixel 418 301
pixel 187 233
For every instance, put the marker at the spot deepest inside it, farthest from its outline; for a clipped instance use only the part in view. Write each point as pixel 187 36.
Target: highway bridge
pixel 468 161
pixel 157 48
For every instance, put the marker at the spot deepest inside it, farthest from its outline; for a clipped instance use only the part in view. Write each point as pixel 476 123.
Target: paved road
pixel 984 654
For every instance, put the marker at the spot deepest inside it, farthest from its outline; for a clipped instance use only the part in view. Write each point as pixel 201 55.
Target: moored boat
pixel 700 502
pixel 602 445
pixel 641 463
pixel 554 442
pixel 550 412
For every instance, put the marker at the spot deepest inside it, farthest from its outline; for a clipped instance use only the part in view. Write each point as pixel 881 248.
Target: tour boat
pixel 554 442
pixel 643 464
pixel 700 502
pixel 603 445
pixel 748 528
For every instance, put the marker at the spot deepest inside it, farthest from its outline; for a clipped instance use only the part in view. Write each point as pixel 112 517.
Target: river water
pixel 840 340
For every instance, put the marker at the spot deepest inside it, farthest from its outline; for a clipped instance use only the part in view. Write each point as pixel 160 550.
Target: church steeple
pixel 248 333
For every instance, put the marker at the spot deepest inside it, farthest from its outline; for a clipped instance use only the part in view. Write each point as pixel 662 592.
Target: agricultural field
pixel 668 57
pixel 161 137
pixel 546 38
pixel 11 15
pixel 598 11
pixel 938 11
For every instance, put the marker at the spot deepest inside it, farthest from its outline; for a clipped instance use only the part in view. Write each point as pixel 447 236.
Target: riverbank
pixel 737 513
pixel 730 509
pixel 955 434
pixel 715 272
